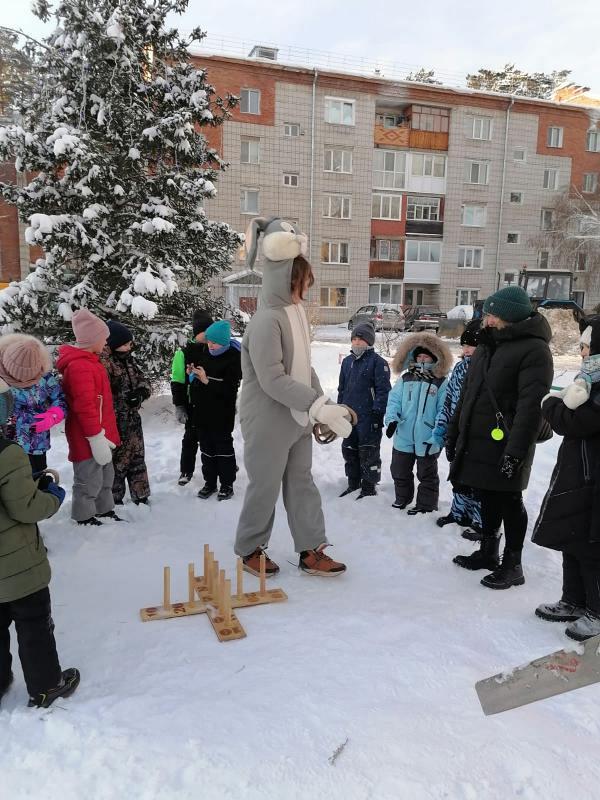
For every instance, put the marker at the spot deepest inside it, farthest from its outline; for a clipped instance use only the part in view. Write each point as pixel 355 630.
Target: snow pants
pixel 404 480
pixel 581 576
pixel 218 457
pixel 362 457
pixel 274 463
pixel 129 461
pixel 189 449
pixel 92 489
pixel 466 508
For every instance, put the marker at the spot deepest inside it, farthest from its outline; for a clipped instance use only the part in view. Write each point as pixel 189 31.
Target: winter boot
pixel 252 564
pixel 110 515
pixel 207 491
pixel 585 627
pixel 484 558
pixel 225 492
pixel 563 611
pixel 184 479
pixel 419 510
pixel 509 573
pixel 473 533
pixel 352 487
pixel 447 520
pixel 399 504
pixel 142 501
pixel 68 683
pixel 367 490
pixel 90 521
pixel 315 562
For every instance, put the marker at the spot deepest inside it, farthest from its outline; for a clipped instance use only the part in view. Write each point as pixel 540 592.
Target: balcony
pixel 386 269
pixel 425 226
pixel 398 136
pixel 428 140
pixel 421 272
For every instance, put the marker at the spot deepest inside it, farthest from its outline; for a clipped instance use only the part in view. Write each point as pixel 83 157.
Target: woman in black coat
pixel 569 519
pixel 491 437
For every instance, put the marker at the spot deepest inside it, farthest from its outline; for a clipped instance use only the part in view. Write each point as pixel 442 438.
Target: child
pixel 39 402
pixel 364 386
pixel 129 390
pixel 194 354
pixel 91 426
pixel 213 393
pixel 25 574
pixel 413 405
pixel 466 509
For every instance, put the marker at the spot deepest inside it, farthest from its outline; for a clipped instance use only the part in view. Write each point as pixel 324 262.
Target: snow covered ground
pixel 384 658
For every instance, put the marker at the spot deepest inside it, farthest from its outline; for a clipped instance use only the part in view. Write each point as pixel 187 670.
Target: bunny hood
pixel 282 241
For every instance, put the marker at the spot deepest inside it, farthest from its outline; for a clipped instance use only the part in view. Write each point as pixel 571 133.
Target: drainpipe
pixel 312 166
pixel 500 214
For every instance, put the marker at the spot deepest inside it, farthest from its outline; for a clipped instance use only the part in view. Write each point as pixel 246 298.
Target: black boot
pixel 207 491
pixel 484 558
pixel 473 533
pixel 352 487
pixel 68 683
pixel 110 515
pixel 367 490
pixel 225 492
pixel 509 573
pixel 447 520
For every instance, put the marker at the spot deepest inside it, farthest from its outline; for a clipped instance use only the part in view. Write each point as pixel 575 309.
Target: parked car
pixel 383 316
pixel 420 318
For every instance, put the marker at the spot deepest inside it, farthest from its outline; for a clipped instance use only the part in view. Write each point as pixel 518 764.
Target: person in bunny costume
pixel 281 401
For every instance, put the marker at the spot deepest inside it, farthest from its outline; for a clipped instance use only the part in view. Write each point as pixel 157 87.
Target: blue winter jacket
pixel 455 384
pixel 364 385
pixel 414 403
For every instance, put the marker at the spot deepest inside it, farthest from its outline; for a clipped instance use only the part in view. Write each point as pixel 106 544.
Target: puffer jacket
pixel 364 386
pixel 45 394
pixel 195 353
pixel 24 567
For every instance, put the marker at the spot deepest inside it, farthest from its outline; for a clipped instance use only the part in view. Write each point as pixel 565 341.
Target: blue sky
pixel 452 37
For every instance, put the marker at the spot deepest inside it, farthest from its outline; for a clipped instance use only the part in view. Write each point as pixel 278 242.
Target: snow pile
pixel 565 331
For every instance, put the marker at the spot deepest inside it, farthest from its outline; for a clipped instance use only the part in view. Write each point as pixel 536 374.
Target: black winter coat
pixel 213 404
pixel 570 513
pixel 517 365
pixel 195 353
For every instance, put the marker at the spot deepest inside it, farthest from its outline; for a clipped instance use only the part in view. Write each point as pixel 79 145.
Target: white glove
pixel 181 415
pixel 335 417
pixel 101 448
pixel 576 394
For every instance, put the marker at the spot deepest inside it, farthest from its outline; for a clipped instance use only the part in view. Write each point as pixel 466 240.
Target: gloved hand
pixel 101 448
pixel 450 452
pixel 377 423
pixel 56 490
pixel 181 415
pixel 46 420
pixel 510 466
pixel 334 416
pixel 391 429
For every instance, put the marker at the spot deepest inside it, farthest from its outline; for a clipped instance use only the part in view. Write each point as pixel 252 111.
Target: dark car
pixel 383 316
pixel 421 318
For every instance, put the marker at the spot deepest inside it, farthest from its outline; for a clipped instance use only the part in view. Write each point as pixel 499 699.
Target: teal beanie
pixel 219 332
pixel 511 304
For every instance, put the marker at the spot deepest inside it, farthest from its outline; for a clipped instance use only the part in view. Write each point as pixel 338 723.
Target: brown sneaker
pixel 315 562
pixel 252 564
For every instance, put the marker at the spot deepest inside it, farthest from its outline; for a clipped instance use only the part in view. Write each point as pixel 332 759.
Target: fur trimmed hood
pixel 431 342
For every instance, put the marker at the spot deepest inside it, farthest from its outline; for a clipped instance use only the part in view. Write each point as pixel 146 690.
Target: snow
pixel 460 312
pixel 134 153
pixel 385 657
pixel 141 307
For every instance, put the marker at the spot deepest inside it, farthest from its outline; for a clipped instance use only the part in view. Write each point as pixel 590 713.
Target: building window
pixel 470 257
pixel 466 297
pixel 428 165
pixel 290 179
pixel 389 120
pixel 425 208
pixel 386 206
pixel 338 159
pixel 385 293
pixel 337 206
pixel 480 128
pixel 513 238
pixel 426 118
pixel 593 141
pixel 547 219
pixel 250 151
pixel 335 252
pixel 389 169
pixel 291 129
pixel 473 216
pixel 334 297
pixel 543 259
pixel 249 201
pixel 581 262
pixel 250 101
pixel 423 251
pixel 477 172
pixel 339 111
pixel 516 197
pixel 385 249
pixel 519 154
pixel 590 182
pixel 413 297
pixel 550 179
pixel 555 137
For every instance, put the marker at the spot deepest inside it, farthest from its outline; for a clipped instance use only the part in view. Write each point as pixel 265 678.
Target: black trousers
pixel 38 462
pixel 35 635
pixel 506 508
pixel 218 457
pixel 428 491
pixel 362 457
pixel 581 577
pixel 189 449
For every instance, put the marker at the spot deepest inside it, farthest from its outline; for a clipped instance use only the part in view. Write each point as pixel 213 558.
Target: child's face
pixel 124 348
pixel 468 350
pixel 585 349
pixel 423 358
pixel 213 345
pixel 356 341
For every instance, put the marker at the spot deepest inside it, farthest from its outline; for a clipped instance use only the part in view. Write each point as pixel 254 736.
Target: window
pixel 513 238
pixel 423 251
pixel 339 111
pixel 519 154
pixel 337 206
pixel 581 262
pixel 470 257
pixel 249 201
pixel 428 165
pixel 388 120
pixel 555 137
pixel 590 182
pixel 547 219
pixel 386 206
pixel 593 141
pixel 426 208
pixel 466 297
pixel 389 169
pixel 291 129
pixel 516 197
pixel 543 259
pixel 338 159
pixel 250 101
pixel 250 151
pixel 480 128
pixel 385 249
pixel 334 297
pixel 414 297
pixel 476 172
pixel 290 179
pixel 473 216
pixel 335 252
pixel 426 118
pixel 550 179
pixel 385 293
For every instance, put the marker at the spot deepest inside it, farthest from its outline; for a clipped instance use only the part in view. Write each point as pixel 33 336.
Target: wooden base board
pixel 247 598
pixel 175 610
pixel 226 631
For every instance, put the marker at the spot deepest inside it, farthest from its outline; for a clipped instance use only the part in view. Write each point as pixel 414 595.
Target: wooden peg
pixel 240 578
pixel 263 575
pixel 215 581
pixel 226 610
pixel 191 580
pixel 221 591
pixel 167 587
pixel 205 567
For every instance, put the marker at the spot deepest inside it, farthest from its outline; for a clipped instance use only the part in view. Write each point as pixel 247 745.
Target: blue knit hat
pixel 218 333
pixel 7 402
pixel 511 304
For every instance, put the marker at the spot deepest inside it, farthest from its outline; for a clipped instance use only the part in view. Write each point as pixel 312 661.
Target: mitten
pixel 46 420
pixel 101 448
pixel 181 415
pixel 577 393
pixel 334 416
pixel 391 429
pixel 56 490
pixel 510 466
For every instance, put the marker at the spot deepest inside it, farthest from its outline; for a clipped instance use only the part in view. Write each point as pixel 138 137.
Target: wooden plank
pixel 226 631
pixel 257 599
pixel 175 610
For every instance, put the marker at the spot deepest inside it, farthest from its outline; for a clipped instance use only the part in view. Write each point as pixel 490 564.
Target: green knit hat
pixel 511 304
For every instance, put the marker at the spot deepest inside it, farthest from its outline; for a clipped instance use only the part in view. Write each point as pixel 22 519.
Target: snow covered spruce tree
pixel 116 170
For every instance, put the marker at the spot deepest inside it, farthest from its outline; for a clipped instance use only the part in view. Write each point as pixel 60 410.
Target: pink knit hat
pixel 88 328
pixel 23 360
